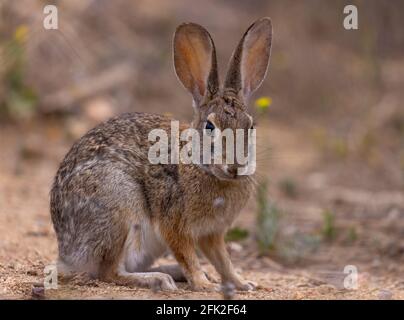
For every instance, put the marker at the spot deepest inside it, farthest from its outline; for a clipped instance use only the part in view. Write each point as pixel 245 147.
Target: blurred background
pixel 330 126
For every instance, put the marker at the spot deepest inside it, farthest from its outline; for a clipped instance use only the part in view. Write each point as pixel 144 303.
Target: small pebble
pixel 385 295
pixel 32 273
pixel 235 247
pixel 38 291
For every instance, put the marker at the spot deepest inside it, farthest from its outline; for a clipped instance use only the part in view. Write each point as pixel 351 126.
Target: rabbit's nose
pixel 232 170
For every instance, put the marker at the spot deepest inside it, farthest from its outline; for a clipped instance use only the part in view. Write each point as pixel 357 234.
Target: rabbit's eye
pixel 209 125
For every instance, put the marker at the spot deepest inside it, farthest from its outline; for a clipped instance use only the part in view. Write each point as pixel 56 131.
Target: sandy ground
pixel 28 244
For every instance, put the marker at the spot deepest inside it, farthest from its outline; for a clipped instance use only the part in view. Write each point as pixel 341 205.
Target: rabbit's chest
pixel 217 211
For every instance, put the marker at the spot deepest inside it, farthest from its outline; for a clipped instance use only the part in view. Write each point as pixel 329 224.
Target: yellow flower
pixel 168 114
pixel 263 103
pixel 20 34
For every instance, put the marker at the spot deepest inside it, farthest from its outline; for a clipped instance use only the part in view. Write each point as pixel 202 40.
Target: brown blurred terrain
pixel 331 142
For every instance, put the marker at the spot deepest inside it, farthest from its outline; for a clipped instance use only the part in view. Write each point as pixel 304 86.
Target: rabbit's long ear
pixel 249 62
pixel 195 60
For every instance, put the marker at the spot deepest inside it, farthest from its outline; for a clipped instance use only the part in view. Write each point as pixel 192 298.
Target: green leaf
pixel 236 234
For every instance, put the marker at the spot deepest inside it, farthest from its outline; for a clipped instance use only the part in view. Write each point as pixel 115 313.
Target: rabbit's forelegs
pixel 175 271
pixel 183 248
pixel 214 248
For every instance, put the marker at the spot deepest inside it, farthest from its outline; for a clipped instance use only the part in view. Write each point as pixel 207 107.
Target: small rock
pixel 385 295
pixel 32 273
pixel 38 291
pixel 314 282
pixel 326 289
pixel 235 247
pixel 98 109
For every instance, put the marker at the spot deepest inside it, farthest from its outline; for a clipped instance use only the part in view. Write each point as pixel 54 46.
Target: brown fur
pixel 114 212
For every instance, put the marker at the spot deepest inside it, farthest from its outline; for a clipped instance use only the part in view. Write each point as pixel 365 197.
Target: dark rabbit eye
pixel 209 126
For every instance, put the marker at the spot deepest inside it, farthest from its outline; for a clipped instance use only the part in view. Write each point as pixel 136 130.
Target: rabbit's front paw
pixel 203 284
pixel 211 278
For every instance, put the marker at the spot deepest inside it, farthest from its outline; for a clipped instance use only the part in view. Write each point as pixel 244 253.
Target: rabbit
pixel 115 213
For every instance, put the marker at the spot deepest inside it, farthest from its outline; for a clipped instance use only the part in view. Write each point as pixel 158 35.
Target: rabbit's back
pixel 120 139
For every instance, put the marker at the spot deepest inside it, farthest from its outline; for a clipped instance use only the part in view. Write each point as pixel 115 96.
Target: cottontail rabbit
pixel 114 212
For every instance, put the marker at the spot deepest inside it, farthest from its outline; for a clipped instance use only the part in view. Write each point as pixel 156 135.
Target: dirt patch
pixel 302 271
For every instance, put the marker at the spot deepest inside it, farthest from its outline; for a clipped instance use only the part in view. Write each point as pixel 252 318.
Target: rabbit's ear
pixel 195 61
pixel 249 62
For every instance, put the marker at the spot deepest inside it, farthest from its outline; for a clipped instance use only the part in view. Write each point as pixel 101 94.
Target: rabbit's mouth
pixel 222 172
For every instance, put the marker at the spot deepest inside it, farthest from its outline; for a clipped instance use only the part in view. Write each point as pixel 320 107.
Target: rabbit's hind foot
pixel 152 280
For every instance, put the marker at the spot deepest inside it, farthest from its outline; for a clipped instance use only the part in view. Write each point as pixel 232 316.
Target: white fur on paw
pixel 248 286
